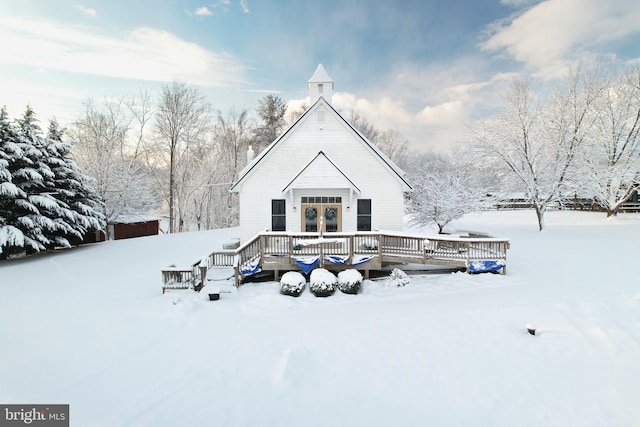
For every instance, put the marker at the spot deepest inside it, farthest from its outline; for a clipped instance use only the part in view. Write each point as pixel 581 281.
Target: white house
pixel 320 174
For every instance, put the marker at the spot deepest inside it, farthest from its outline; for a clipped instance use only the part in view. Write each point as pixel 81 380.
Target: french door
pixel 321 217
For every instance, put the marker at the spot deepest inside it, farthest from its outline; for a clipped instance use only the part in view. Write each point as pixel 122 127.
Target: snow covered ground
pixel 89 327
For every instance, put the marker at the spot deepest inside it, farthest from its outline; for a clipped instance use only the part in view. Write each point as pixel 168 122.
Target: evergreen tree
pixel 81 203
pixel 10 236
pixel 43 220
pixel 271 110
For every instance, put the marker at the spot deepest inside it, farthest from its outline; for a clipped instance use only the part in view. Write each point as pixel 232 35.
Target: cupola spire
pixel 320 84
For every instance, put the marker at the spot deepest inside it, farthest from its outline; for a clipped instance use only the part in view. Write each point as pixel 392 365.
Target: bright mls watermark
pixel 34 415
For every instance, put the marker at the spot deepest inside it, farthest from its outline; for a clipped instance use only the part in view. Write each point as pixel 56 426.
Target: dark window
pixel 364 215
pixel 321 199
pixel 278 215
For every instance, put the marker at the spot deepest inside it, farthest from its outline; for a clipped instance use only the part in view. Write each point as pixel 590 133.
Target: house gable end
pixel 321 169
pixel 321 104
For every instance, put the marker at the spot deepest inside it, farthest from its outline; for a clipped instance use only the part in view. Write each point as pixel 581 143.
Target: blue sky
pixel 426 68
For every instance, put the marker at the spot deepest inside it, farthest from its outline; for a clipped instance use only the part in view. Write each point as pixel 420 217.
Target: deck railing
pixel 411 248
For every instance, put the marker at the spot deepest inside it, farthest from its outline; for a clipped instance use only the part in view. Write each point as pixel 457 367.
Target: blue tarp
pixel 250 268
pixel 361 259
pixel 486 266
pixel 307 264
pixel 336 259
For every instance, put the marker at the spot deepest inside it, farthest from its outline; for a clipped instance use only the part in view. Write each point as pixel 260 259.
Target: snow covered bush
pixel 322 282
pixel 398 279
pixel 292 283
pixel 349 281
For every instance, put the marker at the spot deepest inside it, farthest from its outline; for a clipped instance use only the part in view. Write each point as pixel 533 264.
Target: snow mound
pixel 398 279
pixel 349 281
pixel 292 283
pixel 322 282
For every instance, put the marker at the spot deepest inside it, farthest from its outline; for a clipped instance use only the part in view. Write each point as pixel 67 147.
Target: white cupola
pixel 320 85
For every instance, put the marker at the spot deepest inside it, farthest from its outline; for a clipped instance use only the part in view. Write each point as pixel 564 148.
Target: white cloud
pixel 552 34
pixel 444 115
pixel 87 10
pixel 385 112
pixel 142 54
pixel 245 6
pixel 203 11
pixel 435 107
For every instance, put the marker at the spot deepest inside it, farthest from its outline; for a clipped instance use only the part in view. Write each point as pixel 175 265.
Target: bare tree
pixel 538 145
pixel 394 145
pixel 232 134
pixel 362 125
pixel 108 147
pixel 611 161
pixel 182 120
pixel 390 142
pixel 294 115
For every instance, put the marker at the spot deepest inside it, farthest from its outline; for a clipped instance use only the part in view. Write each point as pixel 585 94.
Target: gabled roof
pixel 394 169
pixel 320 76
pixel 318 167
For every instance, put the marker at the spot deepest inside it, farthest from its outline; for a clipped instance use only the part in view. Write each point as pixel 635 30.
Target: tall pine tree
pixel 72 188
pixel 10 235
pixel 30 173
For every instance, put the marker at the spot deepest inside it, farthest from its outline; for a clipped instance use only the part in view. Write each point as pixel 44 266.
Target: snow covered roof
pixel 320 76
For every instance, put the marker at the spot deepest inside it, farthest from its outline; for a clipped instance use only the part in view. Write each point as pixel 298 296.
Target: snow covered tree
pixel 34 211
pixel 611 161
pixel 537 146
pixel 108 147
pixel 72 188
pixel 271 110
pixel 10 235
pixel 571 114
pixel 231 136
pixel 443 190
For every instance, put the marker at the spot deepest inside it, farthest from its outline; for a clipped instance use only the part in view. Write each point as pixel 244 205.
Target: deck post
pixel 290 249
pixel 468 256
pixel 261 248
pixel 203 275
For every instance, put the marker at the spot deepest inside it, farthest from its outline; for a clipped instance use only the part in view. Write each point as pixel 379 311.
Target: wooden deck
pixel 364 251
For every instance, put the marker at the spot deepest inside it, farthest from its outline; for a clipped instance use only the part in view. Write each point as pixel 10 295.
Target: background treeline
pixel 174 156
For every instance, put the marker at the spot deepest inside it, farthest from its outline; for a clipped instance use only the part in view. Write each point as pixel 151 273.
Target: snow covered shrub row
pixel 322 282
pixel 292 283
pixel 398 279
pixel 349 281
